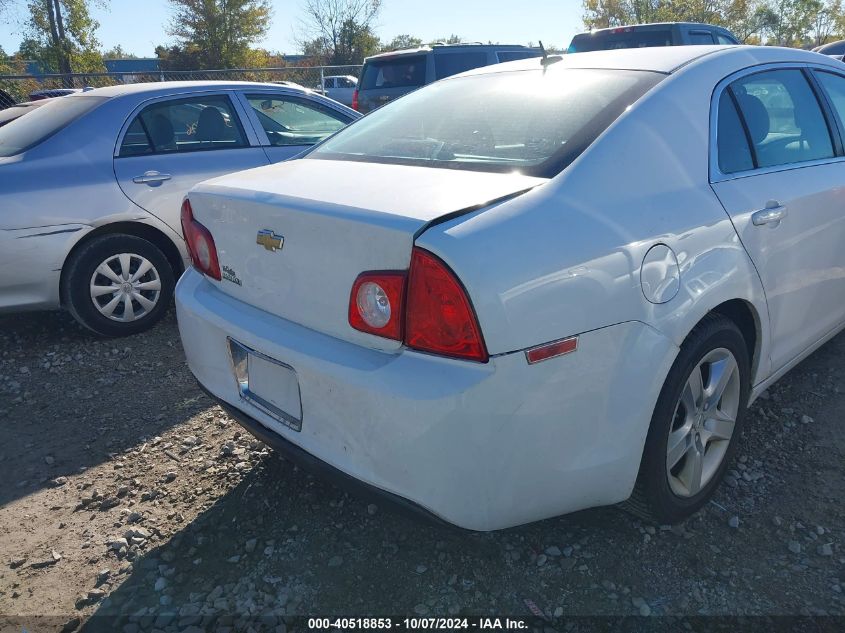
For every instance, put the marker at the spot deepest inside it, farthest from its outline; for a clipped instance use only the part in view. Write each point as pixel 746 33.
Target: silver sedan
pixel 91 186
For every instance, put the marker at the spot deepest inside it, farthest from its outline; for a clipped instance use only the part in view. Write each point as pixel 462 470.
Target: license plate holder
pixel 267 384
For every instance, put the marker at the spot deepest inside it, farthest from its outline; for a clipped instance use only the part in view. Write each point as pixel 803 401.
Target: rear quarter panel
pixel 566 257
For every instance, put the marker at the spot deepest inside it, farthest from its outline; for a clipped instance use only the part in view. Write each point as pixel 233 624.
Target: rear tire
pixel 118 285
pixel 708 385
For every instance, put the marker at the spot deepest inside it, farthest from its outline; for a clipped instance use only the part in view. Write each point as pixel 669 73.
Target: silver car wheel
pixel 703 423
pixel 125 287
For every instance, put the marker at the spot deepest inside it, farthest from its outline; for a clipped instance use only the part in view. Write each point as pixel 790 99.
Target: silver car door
pixel 171 144
pixel 287 124
pixel 777 168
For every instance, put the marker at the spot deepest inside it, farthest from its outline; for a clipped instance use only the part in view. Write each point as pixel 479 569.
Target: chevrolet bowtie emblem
pixel 269 240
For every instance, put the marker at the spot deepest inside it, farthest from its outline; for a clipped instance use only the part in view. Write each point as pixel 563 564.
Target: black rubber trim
pixel 317 467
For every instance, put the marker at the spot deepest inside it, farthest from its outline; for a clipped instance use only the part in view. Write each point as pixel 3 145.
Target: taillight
pixel 438 316
pixel 376 303
pixel 432 314
pixel 200 243
pixel 355 99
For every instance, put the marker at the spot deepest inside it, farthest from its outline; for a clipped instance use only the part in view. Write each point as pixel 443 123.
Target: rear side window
pixel 834 85
pixel 406 71
pixel 448 64
pixel 42 123
pixel 701 37
pixel 725 40
pixel 184 125
pixel 782 117
pixel 732 142
pixel 623 38
pixel 509 56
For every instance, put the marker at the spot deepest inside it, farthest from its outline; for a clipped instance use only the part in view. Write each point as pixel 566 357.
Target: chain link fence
pixel 18 88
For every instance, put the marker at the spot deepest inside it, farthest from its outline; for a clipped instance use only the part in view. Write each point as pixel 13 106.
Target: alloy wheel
pixel 703 423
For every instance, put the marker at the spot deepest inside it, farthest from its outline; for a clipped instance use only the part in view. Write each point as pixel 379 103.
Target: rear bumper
pixel 481 446
pixel 321 469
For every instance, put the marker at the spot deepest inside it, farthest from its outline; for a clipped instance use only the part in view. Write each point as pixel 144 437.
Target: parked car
pixel 17 110
pixel 388 76
pixel 6 100
pixel 646 35
pixel 833 49
pixel 52 93
pixel 532 289
pixel 341 88
pixel 91 184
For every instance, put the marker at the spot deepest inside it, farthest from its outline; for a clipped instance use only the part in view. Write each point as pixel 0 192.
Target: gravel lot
pixel 125 494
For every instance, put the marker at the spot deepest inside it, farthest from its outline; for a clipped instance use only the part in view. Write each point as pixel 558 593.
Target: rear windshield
pixel 527 121
pixel 604 40
pixel 10 114
pixel 406 71
pixel 40 124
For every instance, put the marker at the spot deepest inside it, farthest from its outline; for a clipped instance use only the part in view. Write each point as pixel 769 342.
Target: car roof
pixel 652 26
pixel 166 87
pixel 661 59
pixel 831 48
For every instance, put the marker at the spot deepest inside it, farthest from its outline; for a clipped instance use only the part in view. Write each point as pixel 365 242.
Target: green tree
pixel 401 41
pixel 452 39
pixel 786 22
pixel 61 35
pixel 339 31
pixel 827 21
pixel 219 33
pixel 117 52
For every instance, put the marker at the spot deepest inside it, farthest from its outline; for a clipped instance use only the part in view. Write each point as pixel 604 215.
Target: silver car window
pixel 184 125
pixel 35 127
pixel 290 121
pixel 782 118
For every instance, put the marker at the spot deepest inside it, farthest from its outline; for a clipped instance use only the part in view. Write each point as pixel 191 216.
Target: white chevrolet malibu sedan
pixel 532 288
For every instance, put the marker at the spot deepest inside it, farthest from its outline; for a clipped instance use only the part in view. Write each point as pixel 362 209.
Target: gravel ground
pixel 127 495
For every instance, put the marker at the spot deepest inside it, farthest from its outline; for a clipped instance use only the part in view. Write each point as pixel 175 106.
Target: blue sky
pixel 138 25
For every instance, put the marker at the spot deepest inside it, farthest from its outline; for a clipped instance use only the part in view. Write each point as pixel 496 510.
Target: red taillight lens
pixel 201 246
pixel 433 314
pixel 355 99
pixel 376 303
pixel 439 317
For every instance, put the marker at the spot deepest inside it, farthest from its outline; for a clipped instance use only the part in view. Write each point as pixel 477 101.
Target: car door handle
pixel 151 178
pixel 770 215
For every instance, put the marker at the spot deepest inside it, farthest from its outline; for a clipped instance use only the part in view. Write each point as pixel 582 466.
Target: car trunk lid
pixel 325 222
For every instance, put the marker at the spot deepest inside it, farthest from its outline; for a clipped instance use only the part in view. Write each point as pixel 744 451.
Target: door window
pixel 294 122
pixel 782 117
pixel 184 125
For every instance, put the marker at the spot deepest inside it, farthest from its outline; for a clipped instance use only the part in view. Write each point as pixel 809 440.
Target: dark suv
pixel 390 75
pixel 644 35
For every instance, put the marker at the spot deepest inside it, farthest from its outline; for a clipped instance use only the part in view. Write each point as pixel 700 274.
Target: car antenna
pixel 547 59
